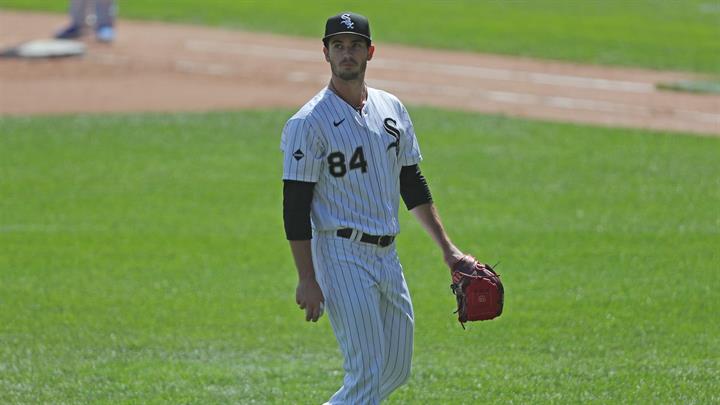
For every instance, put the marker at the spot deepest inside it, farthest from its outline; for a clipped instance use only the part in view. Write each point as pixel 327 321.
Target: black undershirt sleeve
pixel 413 187
pixel 297 196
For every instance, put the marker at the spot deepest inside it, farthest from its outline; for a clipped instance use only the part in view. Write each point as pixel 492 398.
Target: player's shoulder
pixel 309 111
pixel 386 97
pixel 381 93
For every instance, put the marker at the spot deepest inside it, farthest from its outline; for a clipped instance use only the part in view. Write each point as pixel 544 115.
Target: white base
pixel 46 48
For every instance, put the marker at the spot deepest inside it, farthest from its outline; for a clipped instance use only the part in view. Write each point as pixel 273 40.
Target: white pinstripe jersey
pixel 353 157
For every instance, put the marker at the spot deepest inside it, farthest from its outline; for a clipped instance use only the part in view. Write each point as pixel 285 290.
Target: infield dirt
pixel 173 67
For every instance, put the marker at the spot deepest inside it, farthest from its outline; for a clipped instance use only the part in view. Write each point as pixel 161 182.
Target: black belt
pixel 382 241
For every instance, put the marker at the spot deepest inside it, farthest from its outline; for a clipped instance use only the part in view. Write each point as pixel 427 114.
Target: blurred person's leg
pixel 105 11
pixel 78 10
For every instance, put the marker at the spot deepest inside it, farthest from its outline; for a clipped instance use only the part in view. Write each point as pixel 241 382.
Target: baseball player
pixel 105 11
pixel 350 153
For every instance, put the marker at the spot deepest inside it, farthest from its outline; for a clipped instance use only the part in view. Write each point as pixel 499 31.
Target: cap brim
pixel 347 32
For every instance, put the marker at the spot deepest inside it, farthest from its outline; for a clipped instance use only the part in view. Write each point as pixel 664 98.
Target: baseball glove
pixel 478 290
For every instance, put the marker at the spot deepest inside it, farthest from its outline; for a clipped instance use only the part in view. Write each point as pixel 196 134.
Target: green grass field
pixel 659 34
pixel 142 260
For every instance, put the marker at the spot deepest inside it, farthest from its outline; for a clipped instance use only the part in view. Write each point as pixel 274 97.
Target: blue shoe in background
pixel 71 32
pixel 105 34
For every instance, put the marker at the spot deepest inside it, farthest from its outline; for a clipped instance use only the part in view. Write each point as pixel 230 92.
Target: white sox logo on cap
pixel 347 21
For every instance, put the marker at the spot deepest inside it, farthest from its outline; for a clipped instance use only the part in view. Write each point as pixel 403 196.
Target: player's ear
pixel 371 51
pixel 327 53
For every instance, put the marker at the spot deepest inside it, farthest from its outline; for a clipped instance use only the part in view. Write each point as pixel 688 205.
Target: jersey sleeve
pixel 409 148
pixel 303 151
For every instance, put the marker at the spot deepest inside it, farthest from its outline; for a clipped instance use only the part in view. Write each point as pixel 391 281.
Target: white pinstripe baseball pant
pixel 369 307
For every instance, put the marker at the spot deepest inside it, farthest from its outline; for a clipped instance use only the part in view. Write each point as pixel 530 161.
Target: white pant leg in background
pixel 104 10
pixel 78 12
pixel 369 307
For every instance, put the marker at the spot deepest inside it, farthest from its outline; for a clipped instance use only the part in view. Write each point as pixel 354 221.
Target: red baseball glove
pixel 478 290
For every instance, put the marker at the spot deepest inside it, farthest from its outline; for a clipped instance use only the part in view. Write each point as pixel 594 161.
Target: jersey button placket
pixel 360 119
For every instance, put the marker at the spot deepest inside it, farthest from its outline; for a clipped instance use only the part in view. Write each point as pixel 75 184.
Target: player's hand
pixel 310 298
pixel 452 256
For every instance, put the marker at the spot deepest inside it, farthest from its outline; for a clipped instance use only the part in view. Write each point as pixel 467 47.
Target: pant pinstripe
pixel 369 307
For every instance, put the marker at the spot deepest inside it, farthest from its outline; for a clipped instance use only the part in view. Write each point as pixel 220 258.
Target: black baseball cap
pixel 347 23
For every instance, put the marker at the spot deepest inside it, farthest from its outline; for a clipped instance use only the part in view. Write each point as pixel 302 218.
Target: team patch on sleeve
pixel 303 151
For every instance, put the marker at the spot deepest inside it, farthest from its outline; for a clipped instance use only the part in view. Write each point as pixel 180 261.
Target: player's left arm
pixel 416 194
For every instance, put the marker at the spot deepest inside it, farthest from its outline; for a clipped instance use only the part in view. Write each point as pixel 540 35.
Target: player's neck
pixel 353 92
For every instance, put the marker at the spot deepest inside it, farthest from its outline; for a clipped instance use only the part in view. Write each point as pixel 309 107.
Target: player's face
pixel 348 55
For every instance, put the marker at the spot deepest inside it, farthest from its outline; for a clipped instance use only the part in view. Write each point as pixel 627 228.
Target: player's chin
pixel 346 72
pixel 348 75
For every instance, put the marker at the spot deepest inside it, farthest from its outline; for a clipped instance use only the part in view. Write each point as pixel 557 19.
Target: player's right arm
pixel 302 161
pixel 297 198
pixel 308 294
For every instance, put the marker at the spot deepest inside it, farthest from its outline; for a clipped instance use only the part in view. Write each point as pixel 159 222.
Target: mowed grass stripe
pixel 674 35
pixel 142 259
